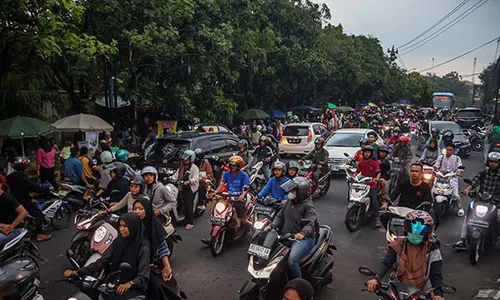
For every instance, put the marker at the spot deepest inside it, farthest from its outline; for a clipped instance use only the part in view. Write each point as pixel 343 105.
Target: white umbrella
pixel 82 122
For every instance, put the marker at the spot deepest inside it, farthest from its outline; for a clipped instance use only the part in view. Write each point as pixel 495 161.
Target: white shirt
pixel 448 164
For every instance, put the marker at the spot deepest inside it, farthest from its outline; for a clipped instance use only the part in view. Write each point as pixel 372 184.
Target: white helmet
pixel 259 127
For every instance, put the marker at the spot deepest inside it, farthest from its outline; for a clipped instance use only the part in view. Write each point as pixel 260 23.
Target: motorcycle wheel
pixel 217 243
pixel 61 217
pixel 474 250
pixel 170 244
pixel 478 146
pixel 352 218
pixel 324 189
pixel 81 249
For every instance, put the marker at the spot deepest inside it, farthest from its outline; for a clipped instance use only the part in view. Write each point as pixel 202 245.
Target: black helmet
pixel 493 157
pixel 319 141
pixel 263 139
pixel 243 143
pixel 280 165
pixel 293 164
pixel 434 130
pixel 119 168
pixel 363 141
pixel 200 153
pixel 263 130
pixel 383 148
pixel 448 135
pixel 299 183
pixel 397 129
pixel 368 148
pixel 19 163
pixel 137 179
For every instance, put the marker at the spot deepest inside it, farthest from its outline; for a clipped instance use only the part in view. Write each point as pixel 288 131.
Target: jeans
pixel 188 197
pixel 299 250
pixel 266 170
pixel 47 175
pixel 374 207
pixel 5 238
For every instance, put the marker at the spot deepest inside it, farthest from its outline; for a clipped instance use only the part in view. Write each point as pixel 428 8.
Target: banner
pixel 92 139
pixel 170 126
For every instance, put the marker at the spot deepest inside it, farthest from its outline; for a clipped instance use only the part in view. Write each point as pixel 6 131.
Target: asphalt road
pixel 202 276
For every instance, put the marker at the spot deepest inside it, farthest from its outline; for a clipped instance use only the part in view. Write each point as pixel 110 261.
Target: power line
pixel 437 23
pixel 401 62
pixel 445 27
pixel 461 55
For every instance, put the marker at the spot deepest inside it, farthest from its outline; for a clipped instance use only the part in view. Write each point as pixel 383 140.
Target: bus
pixel 443 100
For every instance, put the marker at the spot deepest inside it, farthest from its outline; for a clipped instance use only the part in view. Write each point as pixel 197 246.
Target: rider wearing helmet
pixel 447 139
pixel 368 167
pixel 273 185
pixel 163 197
pixel 244 153
pixel 396 133
pixel 291 220
pixel 136 192
pixel 237 183
pixel 402 149
pixel 385 168
pixel 121 155
pixel 434 136
pixel 416 255
pixel 205 169
pixel 189 175
pixel 486 181
pixel 118 182
pixel 319 157
pixel 359 154
pixel 21 186
pixel 293 169
pixel 263 153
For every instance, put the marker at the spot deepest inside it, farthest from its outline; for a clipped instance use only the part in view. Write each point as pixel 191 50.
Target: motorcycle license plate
pixel 259 251
pixel 479 223
pixel 217 220
pixel 261 209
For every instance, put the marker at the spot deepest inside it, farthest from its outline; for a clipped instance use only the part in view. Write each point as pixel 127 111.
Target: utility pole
pixel 433 65
pixel 497 98
pixel 392 54
pixel 473 81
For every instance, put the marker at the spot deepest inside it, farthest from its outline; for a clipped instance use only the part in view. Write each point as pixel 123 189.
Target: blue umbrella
pixel 404 101
pixel 276 113
pixel 305 107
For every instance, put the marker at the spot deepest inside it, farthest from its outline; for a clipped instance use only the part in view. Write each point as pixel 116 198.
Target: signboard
pixel 92 138
pixel 171 126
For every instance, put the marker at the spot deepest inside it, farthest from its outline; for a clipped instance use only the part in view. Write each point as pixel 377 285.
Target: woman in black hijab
pixel 161 284
pixel 130 247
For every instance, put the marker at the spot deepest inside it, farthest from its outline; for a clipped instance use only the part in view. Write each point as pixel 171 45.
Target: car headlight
pixel 99 234
pixel 427 176
pixel 220 207
pixel 481 210
pixel 258 225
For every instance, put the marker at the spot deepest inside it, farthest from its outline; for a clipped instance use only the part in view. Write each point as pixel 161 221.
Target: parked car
pixel 345 140
pixel 165 154
pixel 460 139
pixel 212 127
pixel 298 138
pixel 466 117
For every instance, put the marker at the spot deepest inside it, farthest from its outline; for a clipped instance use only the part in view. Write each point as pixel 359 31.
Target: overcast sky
pixel 395 22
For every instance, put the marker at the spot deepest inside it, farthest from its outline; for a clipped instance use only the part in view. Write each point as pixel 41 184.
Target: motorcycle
pixel 402 291
pixel 359 202
pixel 482 227
pixel 257 177
pixel 223 220
pixel 398 168
pixel 268 264
pixel 395 226
pixel 323 184
pixel 428 171
pixel 263 214
pixel 172 237
pixel 442 192
pixel 476 140
pixel 73 194
pixel 56 212
pixel 20 277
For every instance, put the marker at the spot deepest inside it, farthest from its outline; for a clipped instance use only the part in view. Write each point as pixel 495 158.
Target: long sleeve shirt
pixel 194 177
pixel 161 196
pixel 273 187
pixel 448 164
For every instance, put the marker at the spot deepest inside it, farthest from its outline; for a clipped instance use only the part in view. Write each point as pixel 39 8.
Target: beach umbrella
pixel 253 114
pixel 276 113
pixel 24 127
pixel 82 122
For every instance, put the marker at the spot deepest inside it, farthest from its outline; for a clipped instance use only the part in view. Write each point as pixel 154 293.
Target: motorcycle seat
pixel 321 238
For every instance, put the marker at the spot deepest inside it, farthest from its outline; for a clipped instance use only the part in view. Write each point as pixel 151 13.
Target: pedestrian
pixel 46 162
pixel 298 289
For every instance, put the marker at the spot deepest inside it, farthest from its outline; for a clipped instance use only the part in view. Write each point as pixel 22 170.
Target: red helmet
pixel 404 139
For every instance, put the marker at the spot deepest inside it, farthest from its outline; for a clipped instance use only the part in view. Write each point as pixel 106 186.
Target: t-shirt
pixel 368 168
pixel 235 183
pixel 73 169
pixel 87 171
pixel 8 205
pixel 411 195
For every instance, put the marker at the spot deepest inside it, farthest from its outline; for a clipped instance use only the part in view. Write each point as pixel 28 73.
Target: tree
pixel 489 82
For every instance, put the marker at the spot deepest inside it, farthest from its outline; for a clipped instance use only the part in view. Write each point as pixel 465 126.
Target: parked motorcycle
pixel 394 290
pixel 442 192
pixel 56 212
pixel 269 269
pixel 263 214
pixel 358 208
pixel 476 139
pixel 323 183
pixel 482 228
pixel 20 276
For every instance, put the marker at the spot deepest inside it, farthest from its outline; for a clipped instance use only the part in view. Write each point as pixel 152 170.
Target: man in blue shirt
pixel 73 170
pixel 273 186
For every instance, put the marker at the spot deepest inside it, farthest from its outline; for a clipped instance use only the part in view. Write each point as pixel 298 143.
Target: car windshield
pixel 454 127
pixel 296 131
pixel 345 139
pixel 167 149
pixel 469 114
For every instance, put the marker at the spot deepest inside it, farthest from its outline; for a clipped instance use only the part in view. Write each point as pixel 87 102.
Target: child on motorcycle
pixel 273 186
pixel 293 169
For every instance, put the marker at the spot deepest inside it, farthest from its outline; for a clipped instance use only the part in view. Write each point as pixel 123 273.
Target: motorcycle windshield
pixel 407 291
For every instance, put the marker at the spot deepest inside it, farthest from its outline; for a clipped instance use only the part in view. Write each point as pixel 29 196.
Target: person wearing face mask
pixel 486 181
pixel 416 255
pixel 189 176
pixel 395 136
pixel 299 207
pixel 131 247
pixel 273 186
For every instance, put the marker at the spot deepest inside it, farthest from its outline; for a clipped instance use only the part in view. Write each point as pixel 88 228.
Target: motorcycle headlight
pixel 99 234
pixel 220 207
pixel 83 225
pixel 427 176
pixel 258 225
pixel 266 272
pixel 481 210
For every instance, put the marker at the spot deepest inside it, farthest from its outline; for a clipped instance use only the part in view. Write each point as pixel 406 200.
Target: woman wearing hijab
pixel 298 289
pixel 161 284
pixel 131 247
pixel 46 162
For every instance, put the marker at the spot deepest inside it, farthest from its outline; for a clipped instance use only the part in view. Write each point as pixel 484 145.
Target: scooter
pixel 323 183
pixel 178 215
pixel 393 290
pixel 73 194
pixel 56 212
pixel 268 267
pixel 224 220
pixel 20 278
pixel 172 237
pixel 395 226
pixel 428 171
pixel 263 214
pixel 482 227
pixel 442 192
pixel 257 177
pixel 358 208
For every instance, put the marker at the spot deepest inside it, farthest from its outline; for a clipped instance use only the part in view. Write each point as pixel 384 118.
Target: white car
pixel 298 138
pixel 345 140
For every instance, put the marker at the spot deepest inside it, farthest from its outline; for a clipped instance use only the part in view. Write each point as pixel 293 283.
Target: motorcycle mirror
pixel 448 289
pixel 215 157
pixel 71 256
pixel 468 181
pixel 366 271
pixel 346 154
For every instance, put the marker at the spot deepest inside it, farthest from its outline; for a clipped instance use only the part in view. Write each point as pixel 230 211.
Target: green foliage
pixel 489 82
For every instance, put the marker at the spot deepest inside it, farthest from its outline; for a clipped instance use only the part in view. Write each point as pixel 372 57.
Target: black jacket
pixel 120 184
pixel 288 219
pixel 21 185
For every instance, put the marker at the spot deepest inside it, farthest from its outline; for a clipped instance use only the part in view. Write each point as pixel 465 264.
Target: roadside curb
pixel 490 292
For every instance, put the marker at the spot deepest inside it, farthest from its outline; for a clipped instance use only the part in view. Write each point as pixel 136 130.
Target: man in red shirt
pixel 368 167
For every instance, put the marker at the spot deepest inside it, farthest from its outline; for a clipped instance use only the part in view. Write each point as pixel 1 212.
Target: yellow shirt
pixel 87 171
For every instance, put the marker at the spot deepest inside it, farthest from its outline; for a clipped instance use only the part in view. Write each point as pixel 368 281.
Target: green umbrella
pixel 24 127
pixel 345 108
pixel 371 104
pixel 254 114
pixel 330 105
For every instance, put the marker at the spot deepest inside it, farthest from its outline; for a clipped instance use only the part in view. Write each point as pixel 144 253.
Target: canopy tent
pixel 276 113
pixel 253 114
pixel 304 108
pixel 24 127
pixel 82 122
pixel 330 105
pixel 371 104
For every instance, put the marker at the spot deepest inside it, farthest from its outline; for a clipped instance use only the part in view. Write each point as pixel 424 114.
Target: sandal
pixel 189 226
pixel 43 237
